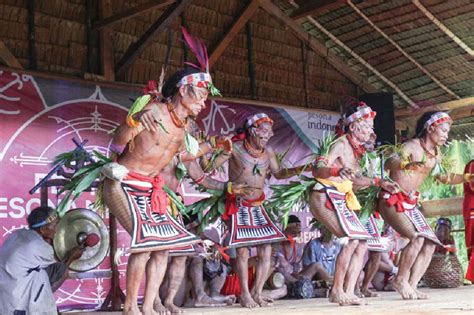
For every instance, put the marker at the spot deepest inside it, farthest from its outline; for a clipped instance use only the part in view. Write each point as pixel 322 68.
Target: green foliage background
pixel 455 156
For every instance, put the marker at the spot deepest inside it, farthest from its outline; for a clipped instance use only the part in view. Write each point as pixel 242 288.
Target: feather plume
pixel 198 48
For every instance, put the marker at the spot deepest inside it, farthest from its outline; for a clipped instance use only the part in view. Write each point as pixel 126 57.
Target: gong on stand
pixel 73 230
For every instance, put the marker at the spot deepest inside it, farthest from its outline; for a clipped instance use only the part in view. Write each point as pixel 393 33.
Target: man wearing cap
pixel 29 273
pixel 333 202
pixel 250 162
pixel 289 261
pixel 419 157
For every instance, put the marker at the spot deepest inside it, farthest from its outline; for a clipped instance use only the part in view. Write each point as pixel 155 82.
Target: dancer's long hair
pixel 170 87
pixel 420 130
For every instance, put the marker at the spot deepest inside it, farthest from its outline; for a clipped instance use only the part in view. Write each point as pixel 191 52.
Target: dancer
pixel 134 190
pixel 252 159
pixel 418 158
pixel 176 269
pixel 332 200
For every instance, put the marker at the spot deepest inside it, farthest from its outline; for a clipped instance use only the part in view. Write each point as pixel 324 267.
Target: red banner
pixel 40 117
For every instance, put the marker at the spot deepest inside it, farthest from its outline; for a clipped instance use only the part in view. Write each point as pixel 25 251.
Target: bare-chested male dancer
pixel 252 159
pixel 332 201
pixel 417 160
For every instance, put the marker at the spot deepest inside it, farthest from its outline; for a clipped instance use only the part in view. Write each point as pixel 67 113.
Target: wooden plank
pixel 315 7
pixel 106 48
pixel 319 47
pixel 136 48
pixel 442 207
pixel 233 31
pixel 8 58
pixel 137 10
pixel 451 105
pixel 30 5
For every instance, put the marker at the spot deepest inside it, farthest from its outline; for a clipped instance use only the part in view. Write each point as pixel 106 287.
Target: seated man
pixel 29 272
pixel 443 232
pixel 324 251
pixel 288 261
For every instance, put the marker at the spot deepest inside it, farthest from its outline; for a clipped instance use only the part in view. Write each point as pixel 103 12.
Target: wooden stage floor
pixel 442 301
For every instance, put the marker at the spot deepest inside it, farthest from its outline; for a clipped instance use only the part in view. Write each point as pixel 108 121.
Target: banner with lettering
pixel 40 117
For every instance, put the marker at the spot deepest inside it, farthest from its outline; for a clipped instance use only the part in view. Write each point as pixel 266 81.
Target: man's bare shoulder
pixel 339 144
pixel 411 144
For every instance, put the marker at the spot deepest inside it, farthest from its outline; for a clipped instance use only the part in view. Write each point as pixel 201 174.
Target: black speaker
pixel 384 123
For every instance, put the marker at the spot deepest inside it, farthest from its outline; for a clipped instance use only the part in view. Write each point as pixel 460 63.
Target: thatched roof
pixel 313 53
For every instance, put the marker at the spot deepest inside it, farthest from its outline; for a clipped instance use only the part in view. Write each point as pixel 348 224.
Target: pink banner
pixel 41 116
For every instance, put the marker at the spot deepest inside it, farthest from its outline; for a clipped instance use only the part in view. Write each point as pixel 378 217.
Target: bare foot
pixel 247 301
pixel 353 300
pixel 160 309
pixel 205 301
pixel 131 311
pixel 227 299
pixel 405 290
pixel 420 295
pixel 173 308
pixel 368 293
pixel 339 297
pixel 262 300
pixel 152 312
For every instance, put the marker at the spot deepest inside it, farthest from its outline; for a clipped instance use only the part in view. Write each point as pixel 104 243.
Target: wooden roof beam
pixel 8 58
pixel 137 47
pixel 467 102
pixel 318 46
pixel 315 7
pixel 443 28
pixel 400 49
pixel 233 31
pixel 134 11
pixel 364 63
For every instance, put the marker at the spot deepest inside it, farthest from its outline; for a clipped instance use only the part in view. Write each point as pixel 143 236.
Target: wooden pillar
pixel 30 5
pixel 304 58
pixel 107 57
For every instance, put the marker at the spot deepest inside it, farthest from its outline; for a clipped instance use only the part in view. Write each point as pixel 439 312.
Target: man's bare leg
pixel 407 259
pixel 135 269
pixel 241 267
pixel 337 294
pixel 264 253
pixel 215 287
pixel 419 267
pixel 196 275
pixel 370 270
pixel 175 275
pixel 354 270
pixel 315 269
pixel 155 271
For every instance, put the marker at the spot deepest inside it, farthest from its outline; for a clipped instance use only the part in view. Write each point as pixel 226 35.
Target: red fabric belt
pixel 231 206
pixel 398 199
pixel 159 200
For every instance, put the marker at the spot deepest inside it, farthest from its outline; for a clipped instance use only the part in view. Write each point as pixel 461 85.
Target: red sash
pixel 398 199
pixel 159 200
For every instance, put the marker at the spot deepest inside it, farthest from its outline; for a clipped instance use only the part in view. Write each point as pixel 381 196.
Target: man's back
pixel 24 284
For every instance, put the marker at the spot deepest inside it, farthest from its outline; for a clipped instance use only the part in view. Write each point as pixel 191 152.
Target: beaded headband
pixel 363 112
pixel 258 119
pixel 437 119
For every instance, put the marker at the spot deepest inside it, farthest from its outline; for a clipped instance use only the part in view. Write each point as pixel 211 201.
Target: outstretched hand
pixel 148 118
pixel 347 173
pixel 224 143
pixel 389 186
pixel 241 189
pixel 414 166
